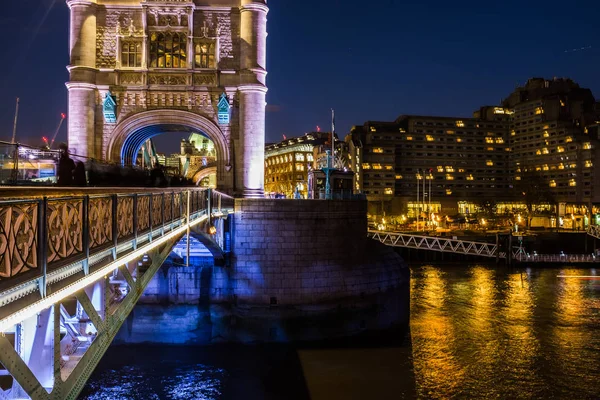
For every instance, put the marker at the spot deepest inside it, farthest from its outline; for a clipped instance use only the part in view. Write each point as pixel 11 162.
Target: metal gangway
pixel 594 231
pixel 472 248
pixel 71 270
pixel 439 244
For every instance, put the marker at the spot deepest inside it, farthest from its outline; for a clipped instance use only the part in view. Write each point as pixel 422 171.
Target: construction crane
pixel 62 119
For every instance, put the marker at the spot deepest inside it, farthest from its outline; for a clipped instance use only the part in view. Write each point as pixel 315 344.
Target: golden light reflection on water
pixel 572 339
pixel 520 346
pixel 485 332
pixel 433 338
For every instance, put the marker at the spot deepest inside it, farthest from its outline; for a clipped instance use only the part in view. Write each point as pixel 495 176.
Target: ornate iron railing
pixel 38 236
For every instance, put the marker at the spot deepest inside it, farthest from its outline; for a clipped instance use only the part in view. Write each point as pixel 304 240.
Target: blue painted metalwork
pixel 223 109
pixel 109 108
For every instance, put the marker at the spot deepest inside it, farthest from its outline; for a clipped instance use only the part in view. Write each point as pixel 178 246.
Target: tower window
pixel 167 50
pixel 204 54
pixel 131 54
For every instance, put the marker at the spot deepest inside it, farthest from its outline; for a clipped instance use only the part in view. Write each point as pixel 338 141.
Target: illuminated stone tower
pixel 139 68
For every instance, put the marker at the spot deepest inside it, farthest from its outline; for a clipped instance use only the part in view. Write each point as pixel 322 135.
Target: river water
pixel 476 332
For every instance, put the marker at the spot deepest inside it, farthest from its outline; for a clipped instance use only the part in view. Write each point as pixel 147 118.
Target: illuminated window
pixel 310 157
pixel 538 152
pixel 389 167
pixel 460 124
pixel 518 178
pixel 562 103
pixel 552 183
pixel 377 166
pixel 409 138
pixel 204 54
pixel 299 167
pixel 449 169
pixel 545 167
pixel 489 163
pixel 398 176
pixel 450 132
pixel 440 168
pixel 461 170
pixel 300 157
pixel 458 140
pixel 546 134
pixel 573 165
pixel 389 191
pixel 168 50
pixel 587 146
pixel 490 149
pixel 449 177
pixel 366 166
pixel 489 140
pixel 499 141
pixel 545 150
pixel 512 133
pixel 572 182
pixel 588 164
pixel 560 149
pixel 470 177
pixel 538 168
pixel 448 192
pixel 131 54
pixel 568 139
pixel 539 110
pixel 373 129
pixel 430 138
pixel 378 150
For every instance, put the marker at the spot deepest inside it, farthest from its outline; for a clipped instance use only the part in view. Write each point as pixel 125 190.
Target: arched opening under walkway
pixel 132 133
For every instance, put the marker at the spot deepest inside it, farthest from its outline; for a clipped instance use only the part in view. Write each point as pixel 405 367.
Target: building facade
pixel 144 67
pixel 538 148
pixel 287 163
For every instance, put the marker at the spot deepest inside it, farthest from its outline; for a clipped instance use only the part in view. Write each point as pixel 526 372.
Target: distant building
pixel 536 151
pixel 287 163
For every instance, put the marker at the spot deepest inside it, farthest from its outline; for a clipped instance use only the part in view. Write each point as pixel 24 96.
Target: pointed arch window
pixel 168 50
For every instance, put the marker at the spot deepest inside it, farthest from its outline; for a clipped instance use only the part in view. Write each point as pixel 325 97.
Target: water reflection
pixel 485 332
pixel 433 336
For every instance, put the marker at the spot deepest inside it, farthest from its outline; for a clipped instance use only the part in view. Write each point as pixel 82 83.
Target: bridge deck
pixel 99 247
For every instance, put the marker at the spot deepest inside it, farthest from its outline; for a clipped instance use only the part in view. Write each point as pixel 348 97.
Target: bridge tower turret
pixel 82 70
pixel 253 91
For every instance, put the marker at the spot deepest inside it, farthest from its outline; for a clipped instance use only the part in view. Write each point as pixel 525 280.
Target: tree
pixel 534 191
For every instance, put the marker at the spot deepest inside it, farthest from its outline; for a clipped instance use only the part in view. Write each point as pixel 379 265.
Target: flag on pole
pixel 332 132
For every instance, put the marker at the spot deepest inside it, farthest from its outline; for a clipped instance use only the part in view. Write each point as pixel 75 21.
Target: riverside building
pixel 533 154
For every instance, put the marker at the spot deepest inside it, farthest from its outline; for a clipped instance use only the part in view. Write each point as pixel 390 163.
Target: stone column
pixel 250 152
pixel 82 70
pixel 250 163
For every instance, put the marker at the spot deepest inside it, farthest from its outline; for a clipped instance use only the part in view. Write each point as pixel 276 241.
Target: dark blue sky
pixel 367 59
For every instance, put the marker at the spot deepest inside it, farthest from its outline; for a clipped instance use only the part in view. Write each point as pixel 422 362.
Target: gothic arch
pixel 140 125
pixel 130 133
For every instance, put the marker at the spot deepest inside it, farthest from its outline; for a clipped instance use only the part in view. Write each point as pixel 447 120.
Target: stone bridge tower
pixel 139 68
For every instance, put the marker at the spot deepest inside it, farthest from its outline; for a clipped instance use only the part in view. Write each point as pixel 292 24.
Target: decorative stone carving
pixel 205 79
pixel 168 16
pixel 130 79
pixel 164 79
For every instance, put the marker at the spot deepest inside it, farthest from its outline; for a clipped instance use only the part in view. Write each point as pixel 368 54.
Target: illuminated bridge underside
pixel 62 305
pixel 134 142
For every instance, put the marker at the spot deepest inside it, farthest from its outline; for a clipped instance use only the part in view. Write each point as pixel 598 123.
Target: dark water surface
pixel 476 332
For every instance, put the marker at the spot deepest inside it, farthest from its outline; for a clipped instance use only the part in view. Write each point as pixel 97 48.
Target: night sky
pixel 370 60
